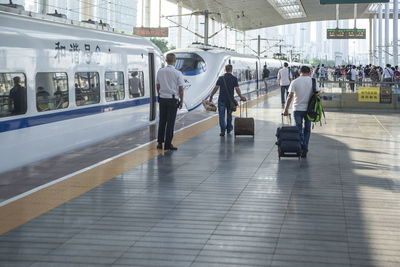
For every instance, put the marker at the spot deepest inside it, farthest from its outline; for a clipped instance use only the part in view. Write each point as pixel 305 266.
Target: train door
pixel 152 78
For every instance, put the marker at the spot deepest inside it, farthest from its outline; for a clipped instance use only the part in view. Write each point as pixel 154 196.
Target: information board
pixel 151 32
pixel 328 2
pixel 345 33
pixel 368 94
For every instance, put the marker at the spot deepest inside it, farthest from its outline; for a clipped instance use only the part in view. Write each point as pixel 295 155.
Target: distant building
pixel 119 14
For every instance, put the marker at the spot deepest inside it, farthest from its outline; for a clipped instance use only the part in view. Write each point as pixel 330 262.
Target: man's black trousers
pixel 168 109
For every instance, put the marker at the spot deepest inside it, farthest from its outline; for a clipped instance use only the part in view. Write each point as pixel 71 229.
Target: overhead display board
pixel 151 32
pixel 346 33
pixel 327 2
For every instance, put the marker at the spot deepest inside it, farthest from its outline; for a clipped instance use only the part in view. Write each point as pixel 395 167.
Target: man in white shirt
pixel 387 74
pixel 169 85
pixel 301 90
pixel 354 75
pixel 284 79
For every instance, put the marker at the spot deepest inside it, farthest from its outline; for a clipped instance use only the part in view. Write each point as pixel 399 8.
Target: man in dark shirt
pixel 265 76
pixel 228 83
pixel 17 98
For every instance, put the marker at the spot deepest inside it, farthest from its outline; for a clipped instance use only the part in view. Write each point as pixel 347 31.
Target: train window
pixel 51 91
pixel 114 83
pixel 136 84
pixel 189 63
pixel 87 88
pixel 12 94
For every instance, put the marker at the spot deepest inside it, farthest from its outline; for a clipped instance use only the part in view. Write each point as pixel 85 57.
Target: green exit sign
pixel 327 2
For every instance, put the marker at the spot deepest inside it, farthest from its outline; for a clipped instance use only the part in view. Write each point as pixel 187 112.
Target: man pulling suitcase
pixel 300 91
pixel 228 83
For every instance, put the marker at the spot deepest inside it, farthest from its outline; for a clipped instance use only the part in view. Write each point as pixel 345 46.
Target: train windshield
pixel 190 63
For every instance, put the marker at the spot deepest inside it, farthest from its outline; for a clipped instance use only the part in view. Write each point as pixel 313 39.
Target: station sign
pixel 330 2
pixel 369 94
pixel 151 32
pixel 346 33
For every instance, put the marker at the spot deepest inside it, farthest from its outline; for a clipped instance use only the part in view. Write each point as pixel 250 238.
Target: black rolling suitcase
pixel 244 126
pixel 288 140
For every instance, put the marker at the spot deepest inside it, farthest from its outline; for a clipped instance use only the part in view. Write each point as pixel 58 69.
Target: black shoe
pixel 159 146
pixel 171 147
pixel 222 134
pixel 304 154
pixel 229 131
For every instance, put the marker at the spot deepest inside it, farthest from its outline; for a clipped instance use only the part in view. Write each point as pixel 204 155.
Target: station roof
pixel 255 14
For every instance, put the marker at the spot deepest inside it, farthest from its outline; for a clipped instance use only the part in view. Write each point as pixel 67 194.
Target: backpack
pixel 314 108
pixel 396 75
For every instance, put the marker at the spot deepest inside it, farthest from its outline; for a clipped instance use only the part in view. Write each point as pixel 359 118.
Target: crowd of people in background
pixel 356 74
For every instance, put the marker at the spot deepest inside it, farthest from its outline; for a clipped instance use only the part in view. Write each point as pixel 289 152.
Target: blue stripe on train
pixel 16 124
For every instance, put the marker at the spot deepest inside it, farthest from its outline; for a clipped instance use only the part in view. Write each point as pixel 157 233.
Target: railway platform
pixel 217 201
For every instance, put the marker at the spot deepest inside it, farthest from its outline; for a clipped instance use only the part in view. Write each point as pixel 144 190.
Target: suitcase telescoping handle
pixel 240 109
pixel 289 119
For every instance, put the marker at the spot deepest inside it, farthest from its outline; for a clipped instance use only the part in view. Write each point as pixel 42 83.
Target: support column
pixel 370 42
pixel 196 27
pixel 244 42
pixel 396 32
pixel 147 13
pixel 44 6
pixel 386 50
pixel 226 37
pixel 380 36
pixel 206 27
pixel 180 23
pixel 236 40
pixel 213 31
pixel 159 13
pixel 86 10
pixel 374 37
pixel 142 13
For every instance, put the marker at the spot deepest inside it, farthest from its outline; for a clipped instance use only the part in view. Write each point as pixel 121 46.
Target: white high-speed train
pixel 202 65
pixel 78 85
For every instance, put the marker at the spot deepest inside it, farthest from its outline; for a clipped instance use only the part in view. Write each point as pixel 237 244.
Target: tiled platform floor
pixel 231 202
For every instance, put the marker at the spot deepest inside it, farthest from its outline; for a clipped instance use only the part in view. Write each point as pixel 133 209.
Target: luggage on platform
pixel 288 140
pixel 244 126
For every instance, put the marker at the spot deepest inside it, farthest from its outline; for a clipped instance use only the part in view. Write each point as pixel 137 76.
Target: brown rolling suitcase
pixel 244 126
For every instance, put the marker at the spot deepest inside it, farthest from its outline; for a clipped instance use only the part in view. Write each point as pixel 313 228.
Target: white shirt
pixel 387 73
pixel 354 73
pixel 283 77
pixel 169 80
pixel 322 72
pixel 302 89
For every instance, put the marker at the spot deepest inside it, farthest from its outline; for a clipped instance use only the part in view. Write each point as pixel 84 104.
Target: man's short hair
pixel 305 69
pixel 388 65
pixel 285 64
pixel 228 68
pixel 16 79
pixel 170 58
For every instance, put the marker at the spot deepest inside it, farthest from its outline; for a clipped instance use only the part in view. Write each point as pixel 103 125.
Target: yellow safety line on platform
pixel 31 206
